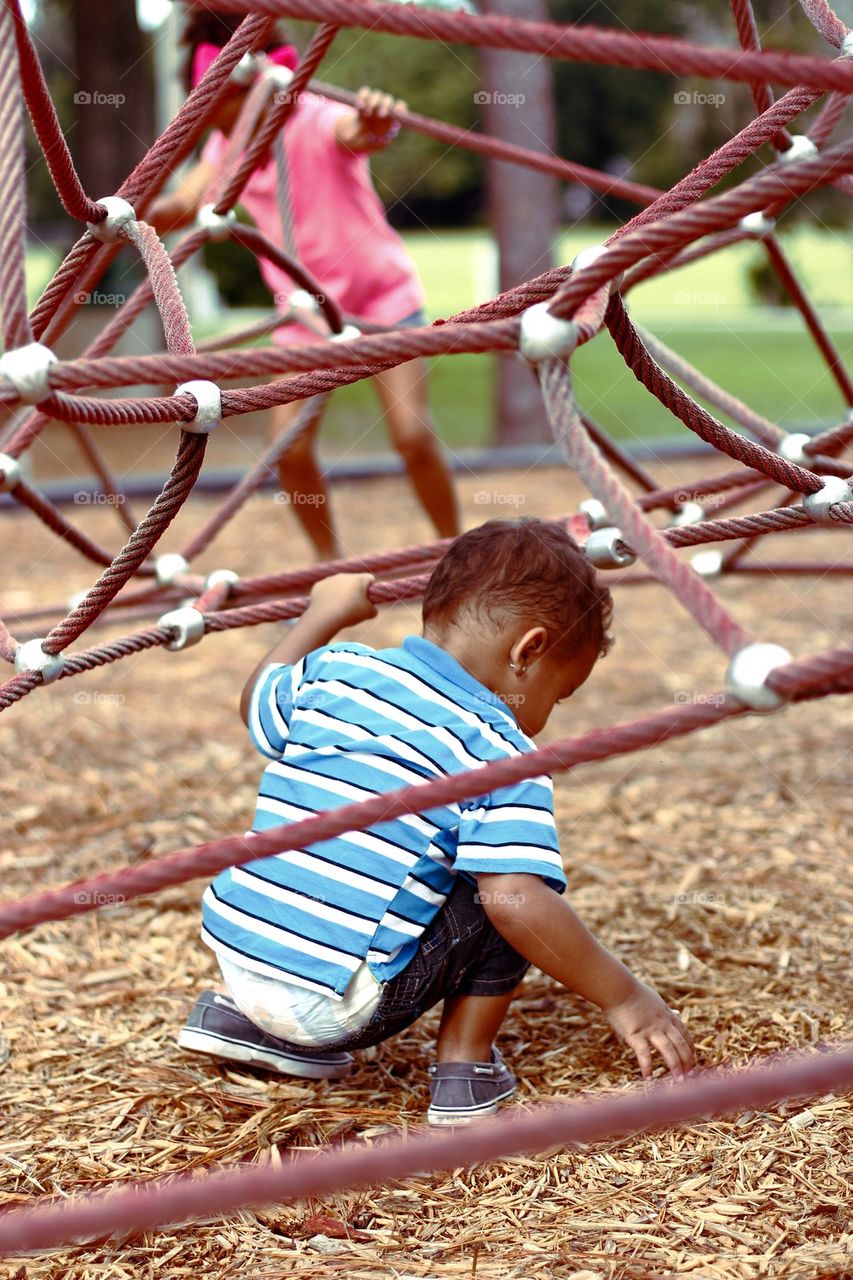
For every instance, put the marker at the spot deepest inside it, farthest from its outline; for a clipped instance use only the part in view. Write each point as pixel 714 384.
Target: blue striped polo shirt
pixel 346 723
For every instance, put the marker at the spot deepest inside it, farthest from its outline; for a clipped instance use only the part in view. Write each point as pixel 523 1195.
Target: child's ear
pixel 532 645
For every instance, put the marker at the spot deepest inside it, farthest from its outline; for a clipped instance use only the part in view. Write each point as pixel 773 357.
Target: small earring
pixel 512 666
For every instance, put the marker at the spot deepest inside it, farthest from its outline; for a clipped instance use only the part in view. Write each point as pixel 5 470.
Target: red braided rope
pixel 575 44
pixel 13 295
pixel 139 1207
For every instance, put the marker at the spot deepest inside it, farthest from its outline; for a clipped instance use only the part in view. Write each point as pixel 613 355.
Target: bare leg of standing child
pixel 301 479
pixel 402 393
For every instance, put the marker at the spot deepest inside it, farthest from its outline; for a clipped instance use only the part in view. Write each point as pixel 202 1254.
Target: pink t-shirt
pixel 340 229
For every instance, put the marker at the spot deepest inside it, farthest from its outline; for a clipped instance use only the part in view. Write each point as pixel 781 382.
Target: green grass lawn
pixel 705 311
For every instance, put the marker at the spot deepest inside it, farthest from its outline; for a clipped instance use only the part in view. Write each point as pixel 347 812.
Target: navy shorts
pixel 461 953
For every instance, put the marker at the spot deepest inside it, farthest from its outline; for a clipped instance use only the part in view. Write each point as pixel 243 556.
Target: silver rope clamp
pixel 222 577
pixel 10 472
pixel 746 677
pixel 588 256
pixel 801 148
pixel 833 491
pixel 606 549
pixel 708 564
pixel 76 599
pixel 544 336
pixel 113 227
pixel 845 49
pixel 278 76
pixel 595 512
pixel 348 334
pixel 792 448
pixel 169 567
pixel 217 225
pixel 687 513
pixel 302 300
pixel 28 370
pixel 245 70
pixel 208 400
pixel 757 224
pixel 186 623
pixel 30 656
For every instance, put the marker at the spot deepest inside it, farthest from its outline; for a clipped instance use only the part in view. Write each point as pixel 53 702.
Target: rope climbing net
pixel 546 319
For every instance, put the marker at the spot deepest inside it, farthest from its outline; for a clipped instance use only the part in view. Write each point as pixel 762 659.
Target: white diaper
pixel 292 1012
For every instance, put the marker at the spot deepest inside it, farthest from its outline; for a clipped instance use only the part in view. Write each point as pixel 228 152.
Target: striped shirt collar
pixel 440 661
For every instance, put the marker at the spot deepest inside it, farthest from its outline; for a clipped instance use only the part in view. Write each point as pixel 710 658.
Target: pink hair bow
pixel 285 55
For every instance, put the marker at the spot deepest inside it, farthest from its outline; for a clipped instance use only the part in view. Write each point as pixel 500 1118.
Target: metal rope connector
pixel 10 472
pixel 588 256
pixel 169 567
pixel 757 224
pixel 687 513
pixel 792 448
pixel 833 491
pixel 245 70
pixel 302 300
pixel 120 214
pixel 708 564
pixel 186 623
pixel 746 678
pixel 801 148
pixel 28 370
pixel 595 513
pixel 30 656
pixel 606 549
pixel 222 577
pixel 545 336
pixel 217 225
pixel 208 400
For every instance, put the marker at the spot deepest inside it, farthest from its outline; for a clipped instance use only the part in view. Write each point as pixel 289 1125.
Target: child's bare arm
pixel 336 602
pixel 544 928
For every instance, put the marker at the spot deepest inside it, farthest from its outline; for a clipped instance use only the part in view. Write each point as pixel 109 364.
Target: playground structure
pixel 547 319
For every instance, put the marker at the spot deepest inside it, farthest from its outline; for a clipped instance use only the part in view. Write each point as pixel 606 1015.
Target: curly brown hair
pixel 528 570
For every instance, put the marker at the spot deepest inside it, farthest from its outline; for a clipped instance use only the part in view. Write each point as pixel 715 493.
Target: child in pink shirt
pixel 342 237
pixel 341 234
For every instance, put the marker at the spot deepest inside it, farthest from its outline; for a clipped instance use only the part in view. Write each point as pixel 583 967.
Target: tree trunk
pixel 114 97
pixel 518 106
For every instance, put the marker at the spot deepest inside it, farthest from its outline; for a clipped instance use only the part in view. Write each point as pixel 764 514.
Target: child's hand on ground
pixel 343 598
pixel 646 1024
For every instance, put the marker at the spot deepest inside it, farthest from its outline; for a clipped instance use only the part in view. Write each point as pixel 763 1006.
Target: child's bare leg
pixel 469 1025
pixel 300 478
pixel 402 394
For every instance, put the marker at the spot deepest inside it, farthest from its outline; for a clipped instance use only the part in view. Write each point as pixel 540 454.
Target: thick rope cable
pixel 13 294
pixel 572 43
pixel 641 1109
pixel 583 457
pixel 694 416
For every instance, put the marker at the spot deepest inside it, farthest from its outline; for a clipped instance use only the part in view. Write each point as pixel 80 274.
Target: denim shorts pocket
pixel 436 939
